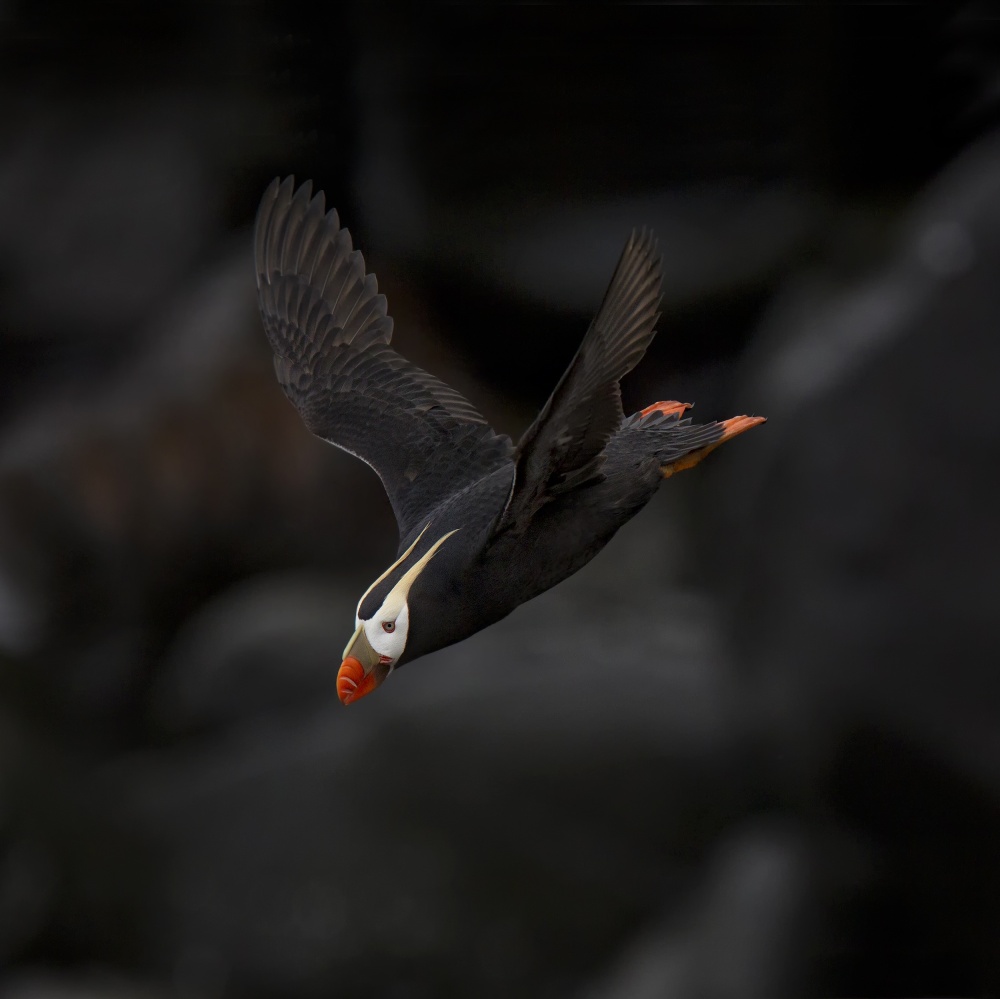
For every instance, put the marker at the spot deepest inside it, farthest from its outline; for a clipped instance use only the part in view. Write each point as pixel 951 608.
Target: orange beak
pixel 362 670
pixel 352 684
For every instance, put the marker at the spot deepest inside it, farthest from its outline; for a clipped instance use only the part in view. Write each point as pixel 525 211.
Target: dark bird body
pixel 483 526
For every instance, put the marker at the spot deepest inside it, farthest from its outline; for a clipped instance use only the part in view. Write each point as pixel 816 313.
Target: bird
pixel 484 525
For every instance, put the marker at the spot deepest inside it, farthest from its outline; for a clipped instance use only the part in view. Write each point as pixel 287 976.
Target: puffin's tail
pixel 681 444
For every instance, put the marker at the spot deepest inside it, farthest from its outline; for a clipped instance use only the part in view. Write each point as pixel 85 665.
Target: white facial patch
pixel 386 631
pixel 387 628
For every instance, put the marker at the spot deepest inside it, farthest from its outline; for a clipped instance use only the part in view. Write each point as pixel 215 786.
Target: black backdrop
pixel 751 750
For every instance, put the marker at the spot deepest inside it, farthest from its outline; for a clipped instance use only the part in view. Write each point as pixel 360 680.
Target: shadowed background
pixel 751 750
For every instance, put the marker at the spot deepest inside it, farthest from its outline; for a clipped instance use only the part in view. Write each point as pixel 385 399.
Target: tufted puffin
pixel 483 525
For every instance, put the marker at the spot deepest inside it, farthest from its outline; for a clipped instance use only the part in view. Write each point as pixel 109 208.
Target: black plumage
pixel 330 333
pixel 484 526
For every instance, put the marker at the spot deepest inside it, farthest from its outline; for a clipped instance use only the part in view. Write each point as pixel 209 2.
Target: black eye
pixel 389 626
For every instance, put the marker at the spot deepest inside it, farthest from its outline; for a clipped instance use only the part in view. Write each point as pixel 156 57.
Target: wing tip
pixel 287 218
pixel 643 239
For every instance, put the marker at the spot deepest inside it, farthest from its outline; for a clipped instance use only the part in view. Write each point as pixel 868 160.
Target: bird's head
pixel 382 624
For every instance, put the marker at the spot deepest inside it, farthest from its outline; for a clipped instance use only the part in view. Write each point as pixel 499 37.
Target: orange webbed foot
pixel 667 408
pixel 730 428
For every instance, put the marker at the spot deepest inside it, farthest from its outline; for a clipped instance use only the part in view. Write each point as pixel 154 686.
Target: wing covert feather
pixel 330 331
pixel 563 448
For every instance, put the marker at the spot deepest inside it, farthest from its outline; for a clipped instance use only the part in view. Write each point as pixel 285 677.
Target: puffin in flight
pixel 484 525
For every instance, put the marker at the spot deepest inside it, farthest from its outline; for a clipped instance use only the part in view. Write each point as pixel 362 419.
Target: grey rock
pixel 265 645
pixel 857 539
pixel 117 499
pixel 864 539
pixel 102 215
pixel 739 938
pixel 473 825
pixel 45 985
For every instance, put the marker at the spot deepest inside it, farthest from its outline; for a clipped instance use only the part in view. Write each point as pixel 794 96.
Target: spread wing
pixel 330 334
pixel 563 448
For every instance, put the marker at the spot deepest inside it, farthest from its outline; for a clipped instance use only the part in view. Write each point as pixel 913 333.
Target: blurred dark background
pixel 792 785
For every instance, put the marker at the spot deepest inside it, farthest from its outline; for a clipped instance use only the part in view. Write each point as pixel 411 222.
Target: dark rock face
pixel 490 818
pixel 865 559
pixel 95 985
pixel 742 932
